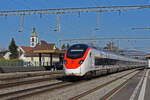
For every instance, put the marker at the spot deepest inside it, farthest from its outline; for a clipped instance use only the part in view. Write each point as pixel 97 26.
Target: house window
pixel 32 39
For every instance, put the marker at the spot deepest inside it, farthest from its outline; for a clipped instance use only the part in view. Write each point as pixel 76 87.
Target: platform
pixel 136 89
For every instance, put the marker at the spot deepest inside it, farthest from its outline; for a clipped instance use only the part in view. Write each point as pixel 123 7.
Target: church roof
pixel 34 34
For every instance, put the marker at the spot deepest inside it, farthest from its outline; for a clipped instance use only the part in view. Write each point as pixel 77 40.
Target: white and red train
pixel 82 60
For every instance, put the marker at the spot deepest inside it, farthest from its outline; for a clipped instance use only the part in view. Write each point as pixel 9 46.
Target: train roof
pixel 112 55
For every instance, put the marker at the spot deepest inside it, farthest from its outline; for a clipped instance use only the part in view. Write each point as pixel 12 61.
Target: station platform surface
pixel 138 88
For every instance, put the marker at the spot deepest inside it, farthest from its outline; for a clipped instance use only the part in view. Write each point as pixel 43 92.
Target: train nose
pixel 65 62
pixel 81 61
pixel 72 72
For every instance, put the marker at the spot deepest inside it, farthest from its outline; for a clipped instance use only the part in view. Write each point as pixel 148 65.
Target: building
pixel 5 54
pixel 45 54
pixel 40 53
pixel 33 38
pixel 23 50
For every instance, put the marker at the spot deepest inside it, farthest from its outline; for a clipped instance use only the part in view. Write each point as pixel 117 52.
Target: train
pixel 84 60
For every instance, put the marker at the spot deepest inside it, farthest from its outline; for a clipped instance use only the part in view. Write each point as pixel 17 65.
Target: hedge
pixel 11 62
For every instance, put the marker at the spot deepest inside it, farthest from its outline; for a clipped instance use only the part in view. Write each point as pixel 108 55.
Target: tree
pixel 111 47
pixel 65 46
pixel 13 49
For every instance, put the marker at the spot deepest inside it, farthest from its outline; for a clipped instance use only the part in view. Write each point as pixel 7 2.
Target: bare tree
pixel 111 47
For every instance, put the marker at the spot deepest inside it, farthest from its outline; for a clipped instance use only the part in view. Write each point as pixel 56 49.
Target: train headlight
pixel 81 61
pixel 65 61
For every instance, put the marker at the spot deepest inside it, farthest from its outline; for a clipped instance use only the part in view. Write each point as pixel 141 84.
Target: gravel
pixel 68 92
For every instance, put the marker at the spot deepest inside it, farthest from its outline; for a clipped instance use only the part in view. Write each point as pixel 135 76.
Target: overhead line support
pixel 73 10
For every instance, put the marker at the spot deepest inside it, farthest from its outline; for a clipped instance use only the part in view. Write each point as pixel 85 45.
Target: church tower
pixel 33 38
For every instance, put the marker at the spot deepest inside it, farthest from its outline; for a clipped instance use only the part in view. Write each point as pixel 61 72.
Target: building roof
pixel 43 45
pixel 49 51
pixel 26 48
pixel 31 54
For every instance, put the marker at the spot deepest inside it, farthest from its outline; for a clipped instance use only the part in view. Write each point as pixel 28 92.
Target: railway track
pixel 31 81
pixel 20 94
pixel 20 75
pixel 105 97
pixel 35 90
pixel 23 80
pixel 31 91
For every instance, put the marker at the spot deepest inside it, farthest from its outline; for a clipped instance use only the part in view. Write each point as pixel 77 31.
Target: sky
pixel 112 25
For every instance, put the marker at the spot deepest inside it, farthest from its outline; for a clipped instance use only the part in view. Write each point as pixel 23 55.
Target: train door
pixel 91 61
pixel 148 63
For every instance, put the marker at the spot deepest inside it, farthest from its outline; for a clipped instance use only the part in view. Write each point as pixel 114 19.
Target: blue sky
pixel 112 24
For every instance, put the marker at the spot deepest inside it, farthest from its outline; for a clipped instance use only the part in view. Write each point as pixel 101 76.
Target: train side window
pixel 99 61
pixel 105 61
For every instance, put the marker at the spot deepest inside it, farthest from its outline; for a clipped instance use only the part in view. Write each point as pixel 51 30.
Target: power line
pixel 106 39
pixel 70 10
pixel 58 12
pixel 141 28
pixel 73 10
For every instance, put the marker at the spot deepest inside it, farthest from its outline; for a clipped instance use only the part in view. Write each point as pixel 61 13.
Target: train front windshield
pixel 76 51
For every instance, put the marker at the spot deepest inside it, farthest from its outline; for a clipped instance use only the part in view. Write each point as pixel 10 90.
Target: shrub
pixel 11 62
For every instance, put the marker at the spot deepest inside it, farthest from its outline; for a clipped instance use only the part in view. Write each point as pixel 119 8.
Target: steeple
pixel 33 38
pixel 34 34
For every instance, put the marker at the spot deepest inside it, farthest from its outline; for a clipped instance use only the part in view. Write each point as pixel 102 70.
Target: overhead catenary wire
pixel 141 28
pixel 72 10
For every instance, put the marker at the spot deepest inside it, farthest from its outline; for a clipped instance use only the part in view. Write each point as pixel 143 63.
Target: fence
pixel 55 65
pixel 20 63
pixel 11 63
